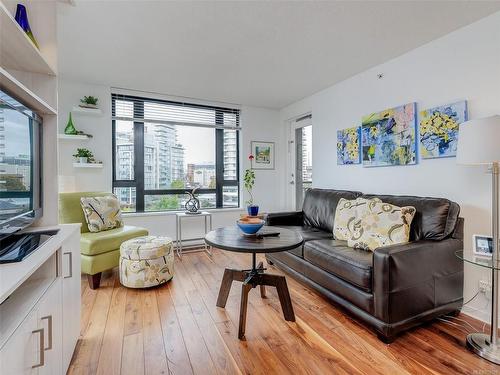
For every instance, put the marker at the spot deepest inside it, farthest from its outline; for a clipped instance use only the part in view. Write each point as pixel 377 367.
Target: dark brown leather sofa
pixel 393 288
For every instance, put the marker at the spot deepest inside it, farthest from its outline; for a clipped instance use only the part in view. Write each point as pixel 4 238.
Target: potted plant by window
pixel 249 181
pixel 89 102
pixel 84 155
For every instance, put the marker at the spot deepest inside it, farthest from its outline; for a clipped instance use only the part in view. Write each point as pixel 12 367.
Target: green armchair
pixel 99 251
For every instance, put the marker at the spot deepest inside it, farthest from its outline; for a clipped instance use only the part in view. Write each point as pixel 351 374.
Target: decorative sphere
pixel 192 205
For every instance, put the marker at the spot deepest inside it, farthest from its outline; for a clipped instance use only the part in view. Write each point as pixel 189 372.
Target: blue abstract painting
pixel 389 137
pixel 439 130
pixel 348 146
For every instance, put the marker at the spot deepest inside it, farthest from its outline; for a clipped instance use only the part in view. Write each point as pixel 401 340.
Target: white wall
pixel 82 179
pixel 261 124
pixel 462 65
pixel 257 123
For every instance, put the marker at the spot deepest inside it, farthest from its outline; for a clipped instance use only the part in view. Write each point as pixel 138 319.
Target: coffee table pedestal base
pixel 251 279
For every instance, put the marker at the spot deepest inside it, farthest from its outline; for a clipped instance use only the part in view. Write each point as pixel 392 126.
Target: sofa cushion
pixel 333 256
pixel 102 242
pixel 320 205
pixel 435 219
pixel 308 234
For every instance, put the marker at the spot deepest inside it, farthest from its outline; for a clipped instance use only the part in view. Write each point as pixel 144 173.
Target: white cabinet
pixel 36 345
pixel 49 313
pixel 71 294
pixel 21 352
pixel 40 313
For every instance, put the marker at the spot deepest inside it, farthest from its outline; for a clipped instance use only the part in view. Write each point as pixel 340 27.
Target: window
pixel 161 149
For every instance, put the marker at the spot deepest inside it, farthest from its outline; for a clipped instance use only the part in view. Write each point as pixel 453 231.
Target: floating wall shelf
pixel 73 137
pixel 17 50
pixel 87 111
pixel 87 165
pixel 21 92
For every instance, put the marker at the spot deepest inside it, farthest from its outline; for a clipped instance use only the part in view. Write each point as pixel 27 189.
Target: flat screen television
pixel 20 166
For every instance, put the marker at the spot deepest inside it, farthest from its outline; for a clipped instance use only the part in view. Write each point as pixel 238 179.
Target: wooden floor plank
pixel 155 358
pixel 177 329
pixel 200 359
pixel 109 362
pixel 133 312
pixel 133 354
pixel 86 359
pixel 221 357
pixel 173 341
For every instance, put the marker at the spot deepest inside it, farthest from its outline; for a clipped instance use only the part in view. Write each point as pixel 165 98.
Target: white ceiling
pixel 266 54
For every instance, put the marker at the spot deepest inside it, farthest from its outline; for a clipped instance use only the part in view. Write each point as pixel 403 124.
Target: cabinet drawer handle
pixel 42 352
pixel 49 322
pixel 70 265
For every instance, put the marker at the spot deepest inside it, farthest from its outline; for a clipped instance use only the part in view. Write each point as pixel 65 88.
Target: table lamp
pixel 479 144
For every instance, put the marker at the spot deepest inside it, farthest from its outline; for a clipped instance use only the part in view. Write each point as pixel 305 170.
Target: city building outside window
pixel 161 149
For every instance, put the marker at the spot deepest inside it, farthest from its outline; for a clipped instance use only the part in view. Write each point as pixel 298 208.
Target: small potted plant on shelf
pixel 89 102
pixel 249 181
pixel 84 155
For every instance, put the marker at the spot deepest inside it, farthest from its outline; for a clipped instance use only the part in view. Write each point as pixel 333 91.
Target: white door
pixel 50 320
pixel 22 350
pixel 71 294
pixel 300 159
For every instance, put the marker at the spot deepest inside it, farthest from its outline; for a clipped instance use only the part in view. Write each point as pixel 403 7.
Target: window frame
pixel 138 150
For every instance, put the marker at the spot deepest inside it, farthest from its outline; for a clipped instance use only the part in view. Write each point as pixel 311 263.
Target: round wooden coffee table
pixel 232 239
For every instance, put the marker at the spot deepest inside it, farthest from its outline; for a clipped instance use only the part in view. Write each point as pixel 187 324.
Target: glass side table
pixel 486 346
pixel 178 224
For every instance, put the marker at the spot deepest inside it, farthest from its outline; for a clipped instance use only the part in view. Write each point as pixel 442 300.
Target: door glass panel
pixel 303 163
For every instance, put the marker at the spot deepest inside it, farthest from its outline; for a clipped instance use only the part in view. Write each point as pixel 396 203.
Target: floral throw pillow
pixel 348 216
pixel 382 224
pixel 102 213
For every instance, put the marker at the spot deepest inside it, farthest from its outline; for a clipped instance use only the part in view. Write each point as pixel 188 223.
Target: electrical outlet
pixel 485 286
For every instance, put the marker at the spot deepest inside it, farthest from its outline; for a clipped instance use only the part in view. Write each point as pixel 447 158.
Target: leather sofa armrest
pixel 425 273
pixel 285 218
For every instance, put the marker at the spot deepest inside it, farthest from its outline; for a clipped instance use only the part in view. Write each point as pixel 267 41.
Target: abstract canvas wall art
pixel 348 146
pixel 439 129
pixel 389 137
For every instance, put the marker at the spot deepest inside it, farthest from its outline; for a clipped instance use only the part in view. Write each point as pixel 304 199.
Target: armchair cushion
pixel 102 242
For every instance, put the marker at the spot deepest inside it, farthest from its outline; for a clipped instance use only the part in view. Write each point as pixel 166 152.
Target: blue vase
pixel 22 19
pixel 253 210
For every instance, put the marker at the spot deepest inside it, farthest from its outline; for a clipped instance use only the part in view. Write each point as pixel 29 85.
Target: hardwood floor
pixel 177 329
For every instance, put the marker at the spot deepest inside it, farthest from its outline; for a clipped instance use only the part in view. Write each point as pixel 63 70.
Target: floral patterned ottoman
pixel 146 261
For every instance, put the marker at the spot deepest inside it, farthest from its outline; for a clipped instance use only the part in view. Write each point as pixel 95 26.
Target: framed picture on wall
pixel 482 245
pixel 263 153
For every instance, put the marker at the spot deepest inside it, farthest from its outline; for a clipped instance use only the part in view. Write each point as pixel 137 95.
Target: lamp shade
pixel 479 141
